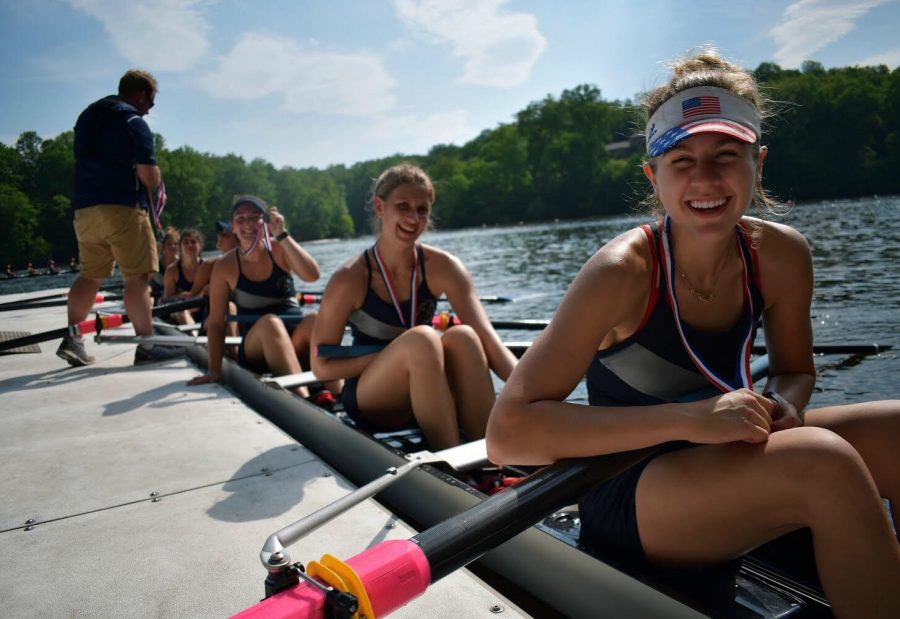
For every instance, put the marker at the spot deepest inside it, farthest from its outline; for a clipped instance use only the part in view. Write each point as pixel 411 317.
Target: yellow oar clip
pixel 342 577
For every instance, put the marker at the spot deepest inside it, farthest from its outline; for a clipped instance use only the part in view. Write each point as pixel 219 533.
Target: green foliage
pixel 835 134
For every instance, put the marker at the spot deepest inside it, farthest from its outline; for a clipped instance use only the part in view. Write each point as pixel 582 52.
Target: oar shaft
pixel 463 538
pixel 97 324
pixel 36 304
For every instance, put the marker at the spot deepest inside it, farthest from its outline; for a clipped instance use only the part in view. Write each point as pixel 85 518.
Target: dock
pixel 126 493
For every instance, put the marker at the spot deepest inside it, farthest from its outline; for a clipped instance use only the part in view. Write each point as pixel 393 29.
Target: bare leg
pixel 873 428
pixel 407 380
pixel 737 496
pixel 137 303
pixel 469 379
pixel 268 341
pixel 300 339
pixel 81 298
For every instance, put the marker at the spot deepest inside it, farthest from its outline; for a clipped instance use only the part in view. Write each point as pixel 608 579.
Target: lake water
pixel 856 252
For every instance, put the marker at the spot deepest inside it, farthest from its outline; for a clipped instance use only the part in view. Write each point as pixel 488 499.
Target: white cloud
pixel 305 79
pixel 890 58
pixel 499 48
pixel 164 35
pixel 811 25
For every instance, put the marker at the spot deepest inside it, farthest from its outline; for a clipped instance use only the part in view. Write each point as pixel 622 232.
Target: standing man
pixel 115 166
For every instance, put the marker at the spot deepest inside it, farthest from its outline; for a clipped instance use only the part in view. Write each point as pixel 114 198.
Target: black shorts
pixel 351 407
pixel 609 516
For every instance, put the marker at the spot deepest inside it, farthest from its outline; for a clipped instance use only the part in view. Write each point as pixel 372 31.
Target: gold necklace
pixel 706 297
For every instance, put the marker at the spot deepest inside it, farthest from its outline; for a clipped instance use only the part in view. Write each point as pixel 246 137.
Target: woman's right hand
pixel 740 415
pixel 209 377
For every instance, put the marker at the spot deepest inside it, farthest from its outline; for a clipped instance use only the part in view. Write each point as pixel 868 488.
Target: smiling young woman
pixel 388 297
pixel 671 308
pixel 257 277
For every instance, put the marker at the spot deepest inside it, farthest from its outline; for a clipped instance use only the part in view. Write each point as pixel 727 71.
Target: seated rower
pixel 441 383
pixel 225 242
pixel 168 254
pixel 671 307
pixel 180 275
pixel 257 277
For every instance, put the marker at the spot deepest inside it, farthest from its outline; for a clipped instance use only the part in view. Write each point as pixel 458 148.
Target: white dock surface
pixel 153 499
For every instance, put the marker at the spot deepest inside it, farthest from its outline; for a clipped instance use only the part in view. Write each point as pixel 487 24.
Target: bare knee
pixel 823 467
pixel 271 325
pixel 463 340
pixel 423 346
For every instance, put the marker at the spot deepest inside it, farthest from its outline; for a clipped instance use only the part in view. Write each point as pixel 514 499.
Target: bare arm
pixel 220 287
pixel 342 295
pixel 531 424
pixel 787 284
pixel 149 175
pixel 170 277
pixel 456 282
pixel 201 279
pixel 290 251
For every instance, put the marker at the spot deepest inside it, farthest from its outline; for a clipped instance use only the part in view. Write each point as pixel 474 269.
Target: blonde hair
pixel 395 176
pixel 708 68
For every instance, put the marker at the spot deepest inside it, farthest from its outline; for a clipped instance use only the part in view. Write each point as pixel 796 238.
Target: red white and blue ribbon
pixel 742 376
pixel 262 234
pixel 158 205
pixel 413 301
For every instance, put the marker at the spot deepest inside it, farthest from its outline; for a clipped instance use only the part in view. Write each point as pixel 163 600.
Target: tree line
pixel 836 134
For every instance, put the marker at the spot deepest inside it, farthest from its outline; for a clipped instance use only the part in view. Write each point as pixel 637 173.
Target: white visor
pixel 704 109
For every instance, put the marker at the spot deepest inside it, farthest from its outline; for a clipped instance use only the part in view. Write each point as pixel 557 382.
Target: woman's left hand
pixel 785 416
pixel 276 221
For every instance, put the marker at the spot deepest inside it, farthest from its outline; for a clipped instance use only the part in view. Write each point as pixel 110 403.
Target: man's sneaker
pixel 144 354
pixel 73 352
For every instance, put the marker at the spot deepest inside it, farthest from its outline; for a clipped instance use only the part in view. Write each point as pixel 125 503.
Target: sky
pixel 311 83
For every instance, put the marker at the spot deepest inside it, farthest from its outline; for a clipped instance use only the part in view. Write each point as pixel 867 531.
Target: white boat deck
pixel 125 493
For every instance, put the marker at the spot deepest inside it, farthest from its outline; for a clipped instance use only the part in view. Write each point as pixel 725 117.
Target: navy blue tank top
pixel 376 321
pixel 652 366
pixel 274 295
pixel 183 284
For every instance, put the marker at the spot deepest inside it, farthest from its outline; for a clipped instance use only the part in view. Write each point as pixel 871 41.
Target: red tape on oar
pixel 98 324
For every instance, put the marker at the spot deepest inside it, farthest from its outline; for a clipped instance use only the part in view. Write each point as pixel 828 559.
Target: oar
pixel 162 340
pixel 97 324
pixel 287 381
pixel 32 304
pixel 110 288
pixel 388 575
pixel 483 299
pixel 519 348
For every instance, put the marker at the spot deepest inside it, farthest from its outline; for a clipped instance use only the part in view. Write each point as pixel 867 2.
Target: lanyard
pixel 386 276
pixel 157 207
pixel 261 233
pixel 742 376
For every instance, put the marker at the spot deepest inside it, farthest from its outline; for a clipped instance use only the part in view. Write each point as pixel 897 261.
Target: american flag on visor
pixel 697 106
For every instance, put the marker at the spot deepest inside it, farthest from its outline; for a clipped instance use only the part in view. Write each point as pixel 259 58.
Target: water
pixel 856 250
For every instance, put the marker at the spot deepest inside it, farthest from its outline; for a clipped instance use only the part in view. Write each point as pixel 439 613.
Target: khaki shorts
pixel 111 233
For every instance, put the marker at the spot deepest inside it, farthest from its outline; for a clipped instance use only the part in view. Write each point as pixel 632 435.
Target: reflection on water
pixel 856 250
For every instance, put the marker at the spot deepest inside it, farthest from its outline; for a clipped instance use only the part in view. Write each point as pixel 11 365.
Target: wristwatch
pixel 775 397
pixel 283 235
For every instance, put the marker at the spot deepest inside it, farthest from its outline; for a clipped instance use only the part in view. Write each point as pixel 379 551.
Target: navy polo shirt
pixel 110 137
